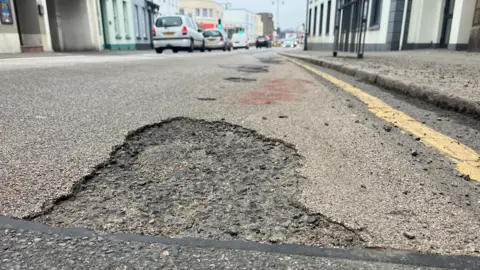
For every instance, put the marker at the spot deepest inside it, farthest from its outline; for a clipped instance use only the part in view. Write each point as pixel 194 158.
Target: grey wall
pixel 29 22
pixel 74 23
pixel 54 26
pixel 395 18
pixel 142 26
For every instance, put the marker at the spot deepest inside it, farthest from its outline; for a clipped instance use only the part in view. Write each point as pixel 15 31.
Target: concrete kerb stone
pixel 425 93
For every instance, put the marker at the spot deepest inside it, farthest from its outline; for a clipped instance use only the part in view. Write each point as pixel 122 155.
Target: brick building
pixel 267 19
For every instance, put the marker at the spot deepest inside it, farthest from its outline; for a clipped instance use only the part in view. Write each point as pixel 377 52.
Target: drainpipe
pixel 404 22
pixel 307 26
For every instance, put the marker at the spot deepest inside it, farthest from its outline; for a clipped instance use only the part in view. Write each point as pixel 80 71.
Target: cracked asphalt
pixel 62 119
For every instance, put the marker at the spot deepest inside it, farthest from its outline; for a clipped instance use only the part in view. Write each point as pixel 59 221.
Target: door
pixel 447 23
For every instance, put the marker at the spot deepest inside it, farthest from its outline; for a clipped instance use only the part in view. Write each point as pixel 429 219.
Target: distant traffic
pixel 181 33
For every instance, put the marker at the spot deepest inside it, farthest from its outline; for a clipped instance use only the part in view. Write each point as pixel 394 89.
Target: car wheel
pixel 158 50
pixel 202 49
pixel 248 48
pixel 192 46
pixel 175 51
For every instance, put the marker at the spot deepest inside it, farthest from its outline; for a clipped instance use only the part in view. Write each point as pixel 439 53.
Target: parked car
pixel 217 40
pixel 177 33
pixel 240 41
pixel 263 41
pixel 289 43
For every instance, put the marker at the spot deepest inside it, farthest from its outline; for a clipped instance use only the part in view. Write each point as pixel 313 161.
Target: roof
pixel 227 9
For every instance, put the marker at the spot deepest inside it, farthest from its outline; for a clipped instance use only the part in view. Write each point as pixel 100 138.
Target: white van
pixel 240 41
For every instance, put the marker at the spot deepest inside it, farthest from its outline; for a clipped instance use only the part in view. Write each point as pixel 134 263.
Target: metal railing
pixel 350 27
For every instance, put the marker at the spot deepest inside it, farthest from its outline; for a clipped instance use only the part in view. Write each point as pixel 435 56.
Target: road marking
pixel 467 160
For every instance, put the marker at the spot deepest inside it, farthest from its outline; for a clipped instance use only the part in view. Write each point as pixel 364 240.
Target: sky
pixel 292 12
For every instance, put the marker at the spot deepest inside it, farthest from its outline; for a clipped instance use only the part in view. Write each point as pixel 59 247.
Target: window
pixel 169 21
pixel 182 11
pixel 375 13
pixel 205 12
pixel 309 22
pixel 315 22
pixel 146 26
pixel 211 12
pixel 137 21
pixel 197 12
pixel 321 20
pixel 125 17
pixel 212 33
pixel 329 9
pixel 116 23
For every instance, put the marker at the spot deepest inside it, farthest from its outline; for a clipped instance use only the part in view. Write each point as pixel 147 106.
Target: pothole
pixel 238 79
pixel 193 178
pixel 247 68
pixel 271 60
pixel 206 99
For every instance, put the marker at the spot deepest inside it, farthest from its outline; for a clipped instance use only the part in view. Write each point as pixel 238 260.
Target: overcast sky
pixel 292 12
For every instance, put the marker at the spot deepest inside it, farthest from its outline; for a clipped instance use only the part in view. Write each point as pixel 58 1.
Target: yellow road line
pixel 468 161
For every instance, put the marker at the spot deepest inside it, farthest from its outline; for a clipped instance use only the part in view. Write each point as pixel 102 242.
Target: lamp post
pixel 305 26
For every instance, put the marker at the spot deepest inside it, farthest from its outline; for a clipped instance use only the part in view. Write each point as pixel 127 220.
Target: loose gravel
pixel 192 178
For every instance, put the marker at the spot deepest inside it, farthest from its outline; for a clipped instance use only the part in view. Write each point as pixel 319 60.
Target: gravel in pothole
pixel 192 178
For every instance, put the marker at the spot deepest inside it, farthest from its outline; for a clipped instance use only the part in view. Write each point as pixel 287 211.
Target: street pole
pixel 307 25
pixel 278 12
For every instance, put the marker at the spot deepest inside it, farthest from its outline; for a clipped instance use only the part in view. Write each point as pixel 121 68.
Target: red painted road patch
pixel 278 90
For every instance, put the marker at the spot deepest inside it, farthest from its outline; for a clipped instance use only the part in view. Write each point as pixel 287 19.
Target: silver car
pixel 177 33
pixel 216 39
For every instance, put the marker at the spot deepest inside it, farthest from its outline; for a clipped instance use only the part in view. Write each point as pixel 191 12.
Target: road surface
pixel 242 146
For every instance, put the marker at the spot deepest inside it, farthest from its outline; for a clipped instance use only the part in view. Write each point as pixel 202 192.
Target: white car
pixel 217 39
pixel 177 33
pixel 240 41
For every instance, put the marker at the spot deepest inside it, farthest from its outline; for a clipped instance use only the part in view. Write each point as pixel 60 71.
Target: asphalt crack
pixel 193 178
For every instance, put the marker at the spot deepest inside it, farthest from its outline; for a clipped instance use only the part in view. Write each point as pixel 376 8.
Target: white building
pixel 167 7
pixel 50 25
pixel 397 24
pixel 240 19
pixel 258 25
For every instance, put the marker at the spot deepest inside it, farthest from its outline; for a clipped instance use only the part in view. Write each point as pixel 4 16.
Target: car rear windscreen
pixel 261 39
pixel 211 34
pixel 169 22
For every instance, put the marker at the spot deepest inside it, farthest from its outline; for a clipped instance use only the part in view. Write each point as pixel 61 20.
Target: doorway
pixel 28 25
pixel 447 23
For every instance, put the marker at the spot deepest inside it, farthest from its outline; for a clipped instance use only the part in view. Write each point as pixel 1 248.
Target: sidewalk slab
pixel 445 78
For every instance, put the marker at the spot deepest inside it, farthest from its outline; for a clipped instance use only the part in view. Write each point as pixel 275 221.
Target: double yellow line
pixel 467 160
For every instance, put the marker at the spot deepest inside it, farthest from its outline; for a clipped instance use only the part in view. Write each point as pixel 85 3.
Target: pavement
pixel 445 78
pixel 65 121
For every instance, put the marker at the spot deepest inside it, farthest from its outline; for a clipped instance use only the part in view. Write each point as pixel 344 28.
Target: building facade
pixel 258 25
pixel 50 25
pixel 240 20
pixel 167 7
pixel 143 14
pixel 118 25
pixel 267 20
pixel 205 12
pixel 474 39
pixel 397 24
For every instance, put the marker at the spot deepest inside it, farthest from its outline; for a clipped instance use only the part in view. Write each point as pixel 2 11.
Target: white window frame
pixel 116 22
pixel 137 21
pixel 125 17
